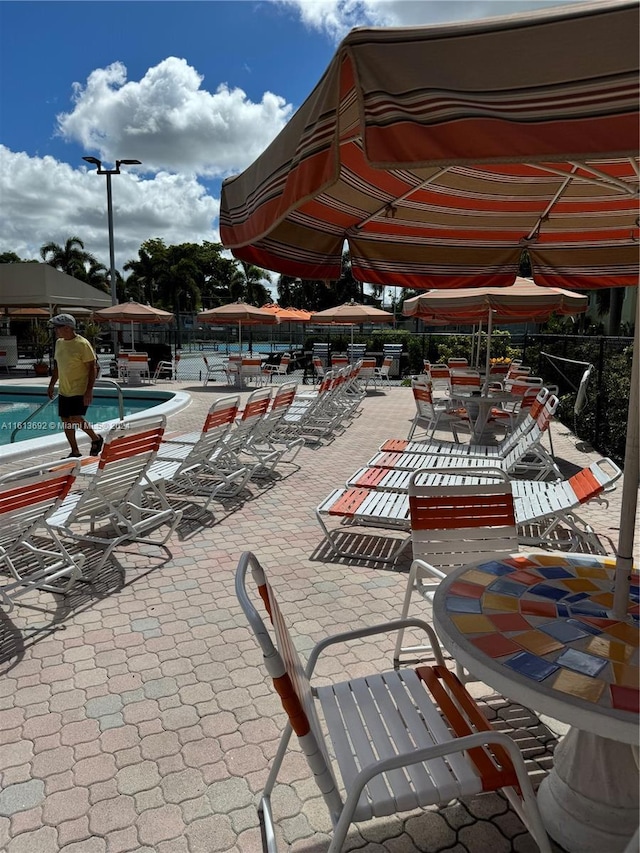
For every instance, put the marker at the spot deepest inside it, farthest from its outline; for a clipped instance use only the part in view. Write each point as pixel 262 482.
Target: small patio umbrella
pixel 353 314
pixel 238 312
pixel 523 300
pixel 133 312
pixel 287 315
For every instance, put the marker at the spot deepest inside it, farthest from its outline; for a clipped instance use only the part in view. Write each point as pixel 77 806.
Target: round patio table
pixel 479 406
pixel 536 627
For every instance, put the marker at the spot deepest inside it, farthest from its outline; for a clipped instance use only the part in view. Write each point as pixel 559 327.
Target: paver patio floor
pixel 135 714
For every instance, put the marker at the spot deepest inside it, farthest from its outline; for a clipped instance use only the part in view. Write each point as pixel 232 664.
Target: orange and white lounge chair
pixel 267 444
pixel 31 553
pixel 197 464
pixel 385 742
pixel 118 505
pixel 546 514
pixel 519 454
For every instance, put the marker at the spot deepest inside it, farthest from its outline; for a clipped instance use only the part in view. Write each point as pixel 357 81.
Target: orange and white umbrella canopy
pixel 441 153
pixel 522 301
pixel 240 313
pixel 287 315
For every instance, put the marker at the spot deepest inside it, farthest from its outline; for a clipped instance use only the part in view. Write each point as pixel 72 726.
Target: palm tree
pixel 70 258
pixel 249 282
pixel 146 270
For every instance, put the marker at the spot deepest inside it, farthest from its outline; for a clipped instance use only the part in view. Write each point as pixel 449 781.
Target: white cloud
pixel 169 122
pixel 45 200
pixel 179 131
pixel 337 17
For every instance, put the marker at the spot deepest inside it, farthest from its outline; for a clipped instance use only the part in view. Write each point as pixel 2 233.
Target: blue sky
pixel 195 90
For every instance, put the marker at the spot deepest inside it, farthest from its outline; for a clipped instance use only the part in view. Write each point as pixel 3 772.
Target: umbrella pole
pixel 624 560
pixel 240 338
pixel 133 345
pixel 487 361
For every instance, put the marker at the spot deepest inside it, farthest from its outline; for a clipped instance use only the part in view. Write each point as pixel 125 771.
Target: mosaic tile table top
pixel 538 628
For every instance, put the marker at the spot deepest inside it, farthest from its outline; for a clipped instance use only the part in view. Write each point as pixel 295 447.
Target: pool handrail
pixel 23 423
pixel 98 382
pixel 111 383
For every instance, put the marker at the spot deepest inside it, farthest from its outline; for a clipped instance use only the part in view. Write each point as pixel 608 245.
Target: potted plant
pixel 40 344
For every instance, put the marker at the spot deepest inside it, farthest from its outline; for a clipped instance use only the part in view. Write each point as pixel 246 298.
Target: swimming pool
pixel 43 433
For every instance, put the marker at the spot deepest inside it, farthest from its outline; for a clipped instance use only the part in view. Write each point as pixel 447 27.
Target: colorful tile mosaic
pixel 548 619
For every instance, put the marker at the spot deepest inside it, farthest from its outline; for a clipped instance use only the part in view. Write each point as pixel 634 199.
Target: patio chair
pixel 118 505
pixel 267 445
pixel 239 437
pixel 164 370
pixel 440 377
pixel 381 374
pixel 367 372
pixel 197 464
pixel 281 369
pixel 318 368
pixel 315 415
pixel 453 524
pixel 429 416
pixel 32 556
pixel 402 739
pixel 134 369
pixel 251 370
pixel 213 370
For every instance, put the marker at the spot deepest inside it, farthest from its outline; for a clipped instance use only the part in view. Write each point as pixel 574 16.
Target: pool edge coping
pixel 52 443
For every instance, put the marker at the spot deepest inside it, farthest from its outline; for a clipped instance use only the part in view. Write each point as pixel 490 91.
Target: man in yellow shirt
pixel 75 367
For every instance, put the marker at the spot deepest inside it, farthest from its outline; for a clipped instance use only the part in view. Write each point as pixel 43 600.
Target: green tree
pixel 70 258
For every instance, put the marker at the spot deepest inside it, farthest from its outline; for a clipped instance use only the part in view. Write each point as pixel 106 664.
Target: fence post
pixel 599 400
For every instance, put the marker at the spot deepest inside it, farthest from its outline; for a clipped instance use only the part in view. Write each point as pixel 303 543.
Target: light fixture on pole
pixel 108 172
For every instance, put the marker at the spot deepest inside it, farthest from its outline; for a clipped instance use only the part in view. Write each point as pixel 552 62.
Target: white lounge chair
pixel 31 554
pixel 118 505
pixel 546 514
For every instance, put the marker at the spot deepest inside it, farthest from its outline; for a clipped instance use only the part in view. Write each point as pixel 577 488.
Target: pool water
pixel 19 403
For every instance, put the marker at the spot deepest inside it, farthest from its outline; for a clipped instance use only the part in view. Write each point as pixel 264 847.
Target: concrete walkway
pixel 135 714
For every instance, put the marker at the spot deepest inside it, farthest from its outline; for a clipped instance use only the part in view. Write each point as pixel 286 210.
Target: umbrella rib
pixel 545 214
pixel 389 205
pixel 600 179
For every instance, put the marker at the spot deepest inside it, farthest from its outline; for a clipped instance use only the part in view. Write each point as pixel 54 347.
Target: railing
pixel 110 383
pixel 30 417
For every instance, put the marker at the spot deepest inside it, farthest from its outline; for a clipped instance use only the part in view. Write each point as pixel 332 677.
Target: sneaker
pixel 96 446
pixel 74 455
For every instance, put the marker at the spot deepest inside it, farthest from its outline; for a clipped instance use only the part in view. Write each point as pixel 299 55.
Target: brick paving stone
pixel 65 806
pixel 42 840
pixel 160 824
pixel 109 815
pixel 73 831
pixel 20 797
pixel 138 777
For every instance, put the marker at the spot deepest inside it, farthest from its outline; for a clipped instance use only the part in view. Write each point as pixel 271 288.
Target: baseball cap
pixel 63 320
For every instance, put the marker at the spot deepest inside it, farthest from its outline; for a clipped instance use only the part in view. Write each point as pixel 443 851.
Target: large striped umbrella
pixel 441 153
